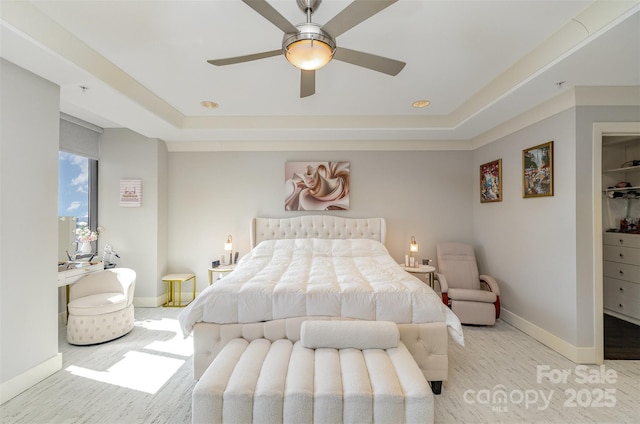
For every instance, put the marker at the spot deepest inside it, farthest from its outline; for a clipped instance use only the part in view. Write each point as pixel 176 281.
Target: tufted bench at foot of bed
pixel 427 342
pixel 290 382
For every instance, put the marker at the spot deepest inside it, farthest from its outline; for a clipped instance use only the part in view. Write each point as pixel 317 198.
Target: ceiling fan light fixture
pixel 310 49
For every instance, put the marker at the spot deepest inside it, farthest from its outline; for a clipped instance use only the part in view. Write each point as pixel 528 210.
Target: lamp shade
pixel 413 246
pixel 228 245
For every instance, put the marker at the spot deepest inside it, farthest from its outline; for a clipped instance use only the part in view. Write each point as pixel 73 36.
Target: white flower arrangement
pixel 84 233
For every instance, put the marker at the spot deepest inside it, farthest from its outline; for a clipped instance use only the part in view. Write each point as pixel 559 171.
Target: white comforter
pixel 354 278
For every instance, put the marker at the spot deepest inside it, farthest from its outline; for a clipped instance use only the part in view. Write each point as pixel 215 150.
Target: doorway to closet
pixel 620 249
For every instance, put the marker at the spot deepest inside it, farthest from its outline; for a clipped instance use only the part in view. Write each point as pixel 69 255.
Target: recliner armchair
pixel 101 306
pixel 474 298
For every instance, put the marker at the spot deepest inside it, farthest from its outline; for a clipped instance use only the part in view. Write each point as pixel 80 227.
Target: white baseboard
pixel 149 302
pixel 154 302
pixel 579 355
pixel 18 384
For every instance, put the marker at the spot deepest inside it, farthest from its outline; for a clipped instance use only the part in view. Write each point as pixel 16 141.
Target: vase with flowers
pixel 85 236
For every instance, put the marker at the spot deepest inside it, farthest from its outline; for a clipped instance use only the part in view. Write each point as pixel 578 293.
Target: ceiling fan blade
pixel 369 61
pixel 357 12
pixel 245 58
pixel 307 83
pixel 272 15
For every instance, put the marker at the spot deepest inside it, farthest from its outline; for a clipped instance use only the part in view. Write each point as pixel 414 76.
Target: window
pixel 78 188
pixel 78 154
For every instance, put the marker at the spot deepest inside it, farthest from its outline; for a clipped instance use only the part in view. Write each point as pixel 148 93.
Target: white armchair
pixel 101 306
pixel 474 298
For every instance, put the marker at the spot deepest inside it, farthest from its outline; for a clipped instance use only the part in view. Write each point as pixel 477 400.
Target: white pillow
pixel 349 334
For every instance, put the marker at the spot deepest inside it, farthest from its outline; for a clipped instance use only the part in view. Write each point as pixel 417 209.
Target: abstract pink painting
pixel 316 186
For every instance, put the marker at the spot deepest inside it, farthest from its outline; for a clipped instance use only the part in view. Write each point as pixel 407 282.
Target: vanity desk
pixel 69 273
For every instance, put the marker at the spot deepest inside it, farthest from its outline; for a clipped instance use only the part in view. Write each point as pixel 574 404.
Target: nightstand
pixel 222 269
pixel 421 270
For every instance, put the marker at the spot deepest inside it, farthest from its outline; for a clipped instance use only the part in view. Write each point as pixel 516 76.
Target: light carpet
pixel 145 377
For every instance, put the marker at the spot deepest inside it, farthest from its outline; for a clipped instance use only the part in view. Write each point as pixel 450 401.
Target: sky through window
pixel 73 186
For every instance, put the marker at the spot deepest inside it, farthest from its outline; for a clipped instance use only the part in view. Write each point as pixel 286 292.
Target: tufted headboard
pixel 317 226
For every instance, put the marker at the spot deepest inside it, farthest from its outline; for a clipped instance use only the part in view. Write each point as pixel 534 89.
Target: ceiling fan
pixel 309 46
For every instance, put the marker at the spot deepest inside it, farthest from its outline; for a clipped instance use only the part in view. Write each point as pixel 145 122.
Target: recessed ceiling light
pixel 421 103
pixel 209 104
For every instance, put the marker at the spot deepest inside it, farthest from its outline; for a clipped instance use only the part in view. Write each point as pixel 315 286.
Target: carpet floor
pixel 500 376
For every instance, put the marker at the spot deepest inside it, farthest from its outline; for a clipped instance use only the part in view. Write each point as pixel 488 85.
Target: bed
pixel 319 267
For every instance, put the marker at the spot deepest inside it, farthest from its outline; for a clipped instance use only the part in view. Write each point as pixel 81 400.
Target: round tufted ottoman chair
pixel 101 306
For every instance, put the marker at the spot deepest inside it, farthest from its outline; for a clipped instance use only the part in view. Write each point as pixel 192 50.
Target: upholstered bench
pixel 339 371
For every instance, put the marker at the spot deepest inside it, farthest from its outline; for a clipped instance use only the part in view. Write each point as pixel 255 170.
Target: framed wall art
pixel 491 181
pixel 316 186
pixel 130 193
pixel 537 171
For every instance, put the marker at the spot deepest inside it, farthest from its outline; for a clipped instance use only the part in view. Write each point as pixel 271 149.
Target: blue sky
pixel 73 185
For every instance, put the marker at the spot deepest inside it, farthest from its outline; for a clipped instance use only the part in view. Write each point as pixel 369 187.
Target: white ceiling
pixel 479 62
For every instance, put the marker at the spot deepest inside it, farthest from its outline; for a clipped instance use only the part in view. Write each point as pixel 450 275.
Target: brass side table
pixel 174 282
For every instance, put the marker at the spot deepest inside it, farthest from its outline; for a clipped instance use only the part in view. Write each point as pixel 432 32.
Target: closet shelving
pixel 624 202
pixel 628 169
pixel 621 241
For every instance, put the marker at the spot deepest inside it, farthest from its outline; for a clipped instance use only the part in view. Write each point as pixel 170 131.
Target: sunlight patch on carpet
pixel 177 345
pixel 137 370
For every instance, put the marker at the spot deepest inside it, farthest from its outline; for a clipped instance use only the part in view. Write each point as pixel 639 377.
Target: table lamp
pixel 228 247
pixel 413 247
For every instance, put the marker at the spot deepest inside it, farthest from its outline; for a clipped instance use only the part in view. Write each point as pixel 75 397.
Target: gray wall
pixel 209 195
pixel 529 244
pixel 29 122
pixel 137 234
pixel 213 194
